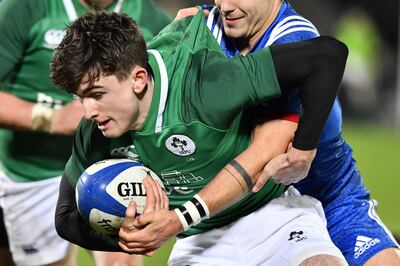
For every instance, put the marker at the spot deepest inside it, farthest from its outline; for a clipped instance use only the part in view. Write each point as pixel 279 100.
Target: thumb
pixel 289 146
pixel 130 216
pixel 270 170
pixel 262 179
pixel 265 175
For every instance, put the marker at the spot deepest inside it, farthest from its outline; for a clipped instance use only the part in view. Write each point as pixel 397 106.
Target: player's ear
pixel 139 79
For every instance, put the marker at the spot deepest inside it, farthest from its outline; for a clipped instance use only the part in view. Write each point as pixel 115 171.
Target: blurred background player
pixel 242 27
pixel 38 119
pixel 5 255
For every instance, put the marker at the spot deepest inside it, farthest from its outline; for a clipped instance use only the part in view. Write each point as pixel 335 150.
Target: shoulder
pixel 189 33
pixel 21 6
pixel 291 26
pixel 16 15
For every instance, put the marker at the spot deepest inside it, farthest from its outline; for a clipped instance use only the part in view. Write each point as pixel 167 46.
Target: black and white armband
pixel 192 212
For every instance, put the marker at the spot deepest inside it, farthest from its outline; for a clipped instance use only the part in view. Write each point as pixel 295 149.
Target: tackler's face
pixel 111 103
pixel 244 18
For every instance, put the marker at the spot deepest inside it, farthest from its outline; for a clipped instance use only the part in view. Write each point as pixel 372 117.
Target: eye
pixel 96 95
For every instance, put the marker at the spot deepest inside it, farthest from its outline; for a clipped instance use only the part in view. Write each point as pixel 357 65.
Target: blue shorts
pixel 353 224
pixel 355 228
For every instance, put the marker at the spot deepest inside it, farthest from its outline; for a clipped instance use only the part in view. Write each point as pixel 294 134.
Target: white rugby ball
pixel 104 190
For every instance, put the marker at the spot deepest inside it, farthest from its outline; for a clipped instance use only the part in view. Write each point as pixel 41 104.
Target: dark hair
pixel 98 43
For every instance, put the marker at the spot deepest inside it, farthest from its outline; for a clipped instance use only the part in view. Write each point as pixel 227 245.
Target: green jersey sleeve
pixel 16 20
pixel 228 86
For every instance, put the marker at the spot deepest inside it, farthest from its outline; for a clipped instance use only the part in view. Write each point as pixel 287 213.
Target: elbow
pixel 333 51
pixel 60 224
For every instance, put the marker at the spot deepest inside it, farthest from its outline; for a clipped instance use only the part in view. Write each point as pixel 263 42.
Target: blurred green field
pixel 377 151
pixel 159 259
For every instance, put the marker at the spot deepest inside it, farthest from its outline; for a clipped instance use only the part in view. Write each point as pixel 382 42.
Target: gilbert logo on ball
pixel 104 190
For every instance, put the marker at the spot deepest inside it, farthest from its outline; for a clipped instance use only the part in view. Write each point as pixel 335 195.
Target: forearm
pixel 71 226
pixel 269 139
pixel 14 112
pixel 316 66
pixel 19 114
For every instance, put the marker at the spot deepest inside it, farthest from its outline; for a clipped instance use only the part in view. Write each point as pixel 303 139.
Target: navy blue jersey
pixel 323 182
pixel 333 178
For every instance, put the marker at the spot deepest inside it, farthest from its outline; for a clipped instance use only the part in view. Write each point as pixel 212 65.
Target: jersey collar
pixel 154 119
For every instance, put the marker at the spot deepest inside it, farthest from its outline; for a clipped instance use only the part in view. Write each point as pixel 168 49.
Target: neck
pixel 246 43
pixel 96 4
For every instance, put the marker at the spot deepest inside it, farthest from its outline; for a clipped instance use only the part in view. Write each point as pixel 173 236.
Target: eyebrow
pixel 89 89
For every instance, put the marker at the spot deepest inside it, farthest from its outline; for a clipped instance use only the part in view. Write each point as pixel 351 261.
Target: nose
pixel 90 108
pixel 225 6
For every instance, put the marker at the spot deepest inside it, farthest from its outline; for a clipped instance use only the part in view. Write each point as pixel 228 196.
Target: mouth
pixel 232 20
pixel 103 125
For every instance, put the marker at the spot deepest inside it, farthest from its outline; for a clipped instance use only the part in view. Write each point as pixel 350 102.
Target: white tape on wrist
pixel 42 118
pixel 192 212
pixel 182 219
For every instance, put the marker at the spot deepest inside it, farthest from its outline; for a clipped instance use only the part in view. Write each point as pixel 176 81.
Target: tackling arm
pixel 316 66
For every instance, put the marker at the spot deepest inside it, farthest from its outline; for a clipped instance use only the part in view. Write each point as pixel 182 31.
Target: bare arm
pixel 269 139
pixel 14 112
pixel 19 114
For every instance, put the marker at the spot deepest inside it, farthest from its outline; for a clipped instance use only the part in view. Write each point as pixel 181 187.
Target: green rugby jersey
pixel 194 126
pixel 30 30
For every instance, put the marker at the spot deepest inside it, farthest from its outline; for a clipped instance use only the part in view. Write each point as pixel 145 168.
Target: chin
pixel 233 32
pixel 111 135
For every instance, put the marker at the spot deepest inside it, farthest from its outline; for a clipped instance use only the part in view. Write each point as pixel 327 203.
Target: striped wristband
pixel 192 212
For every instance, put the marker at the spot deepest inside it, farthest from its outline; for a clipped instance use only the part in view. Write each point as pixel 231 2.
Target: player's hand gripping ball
pixel 105 189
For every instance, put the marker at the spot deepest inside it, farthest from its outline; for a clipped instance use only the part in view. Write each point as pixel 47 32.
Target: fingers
pixel 138 241
pixel 162 196
pixel 260 183
pixel 147 251
pixel 186 12
pixel 156 197
pixel 152 200
pixel 150 253
pixel 271 171
pixel 165 199
pixel 190 11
